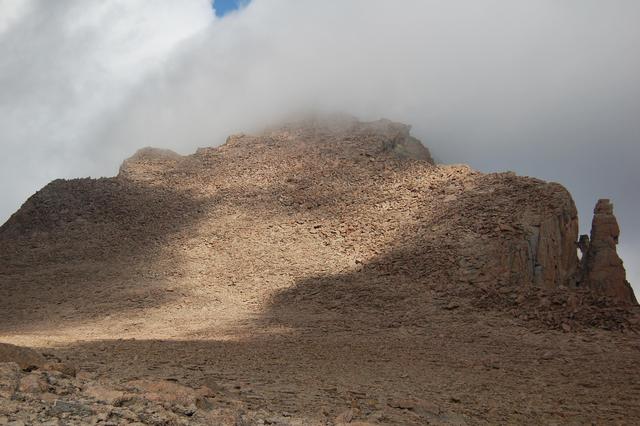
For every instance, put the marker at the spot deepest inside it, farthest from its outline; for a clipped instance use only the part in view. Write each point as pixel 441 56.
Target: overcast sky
pixel 546 88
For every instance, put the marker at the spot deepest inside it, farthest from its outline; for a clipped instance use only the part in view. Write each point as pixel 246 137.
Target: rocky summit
pixel 322 272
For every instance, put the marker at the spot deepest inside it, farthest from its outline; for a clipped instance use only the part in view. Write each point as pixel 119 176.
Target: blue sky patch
pixel 222 7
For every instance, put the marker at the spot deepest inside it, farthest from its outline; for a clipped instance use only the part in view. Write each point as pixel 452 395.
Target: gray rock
pixel 74 408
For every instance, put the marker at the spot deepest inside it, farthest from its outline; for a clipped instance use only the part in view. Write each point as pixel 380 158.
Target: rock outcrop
pixel 535 247
pixel 602 270
pixel 547 258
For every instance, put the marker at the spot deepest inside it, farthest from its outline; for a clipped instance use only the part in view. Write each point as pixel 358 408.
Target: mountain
pixel 331 271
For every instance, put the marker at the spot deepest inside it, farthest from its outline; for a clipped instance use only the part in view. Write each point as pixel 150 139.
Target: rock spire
pixel 601 268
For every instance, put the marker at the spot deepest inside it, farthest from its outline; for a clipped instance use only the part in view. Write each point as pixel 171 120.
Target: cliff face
pixel 552 238
pixel 532 246
pixel 545 255
pixel 344 211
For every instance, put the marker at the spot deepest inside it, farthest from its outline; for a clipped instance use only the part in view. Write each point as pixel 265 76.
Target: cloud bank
pixel 65 67
pixel 542 87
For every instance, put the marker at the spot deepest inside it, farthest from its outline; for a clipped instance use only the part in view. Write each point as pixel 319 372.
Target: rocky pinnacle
pixel 601 268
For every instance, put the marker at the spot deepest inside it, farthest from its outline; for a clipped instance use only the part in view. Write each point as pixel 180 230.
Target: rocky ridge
pixel 308 248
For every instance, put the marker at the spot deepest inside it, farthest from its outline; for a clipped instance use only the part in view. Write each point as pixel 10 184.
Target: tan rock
pixel 102 393
pixel 48 397
pixel 345 417
pixel 9 379
pixel 222 417
pixel 33 383
pixel 404 404
pixel 64 368
pixel 26 358
pixel 166 391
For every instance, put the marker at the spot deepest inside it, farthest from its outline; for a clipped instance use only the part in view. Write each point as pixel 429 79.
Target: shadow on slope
pixel 449 259
pixel 84 248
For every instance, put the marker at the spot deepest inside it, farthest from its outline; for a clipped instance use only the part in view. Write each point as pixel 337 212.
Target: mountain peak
pixel 302 248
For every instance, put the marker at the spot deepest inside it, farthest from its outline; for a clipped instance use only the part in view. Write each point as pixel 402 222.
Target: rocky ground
pixel 314 274
pixel 56 394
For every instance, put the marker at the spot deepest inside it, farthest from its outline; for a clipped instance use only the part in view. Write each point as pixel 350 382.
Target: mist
pixel 545 88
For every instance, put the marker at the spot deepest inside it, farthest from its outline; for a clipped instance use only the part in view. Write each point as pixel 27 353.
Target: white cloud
pixel 11 11
pixel 542 87
pixel 67 66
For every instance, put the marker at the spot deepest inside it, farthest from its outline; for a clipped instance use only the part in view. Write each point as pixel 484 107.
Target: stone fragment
pixel 451 306
pixel 403 404
pixel 548 355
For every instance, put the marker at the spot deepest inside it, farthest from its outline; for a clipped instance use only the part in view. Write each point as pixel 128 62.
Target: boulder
pixel 33 383
pixel 66 369
pixel 26 358
pixel 103 393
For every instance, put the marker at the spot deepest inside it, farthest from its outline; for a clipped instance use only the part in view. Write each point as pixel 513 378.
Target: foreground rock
pixel 49 397
pixel 50 392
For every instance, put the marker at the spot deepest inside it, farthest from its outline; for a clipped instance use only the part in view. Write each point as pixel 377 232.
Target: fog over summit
pixel 543 88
